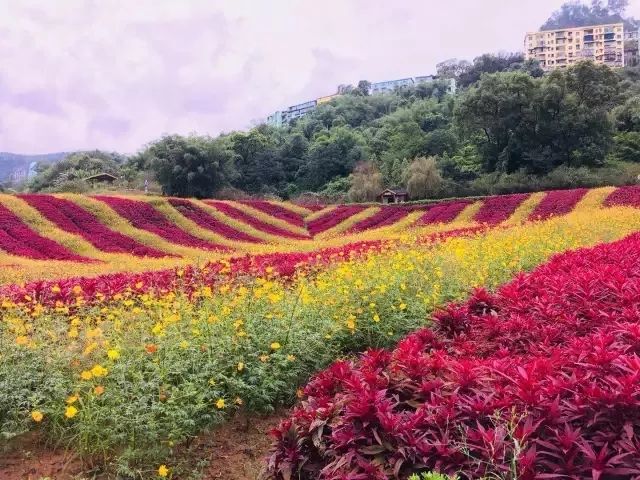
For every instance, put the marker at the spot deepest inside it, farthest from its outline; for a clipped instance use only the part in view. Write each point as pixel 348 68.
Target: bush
pixel 626 147
pixel 366 183
pixel 423 178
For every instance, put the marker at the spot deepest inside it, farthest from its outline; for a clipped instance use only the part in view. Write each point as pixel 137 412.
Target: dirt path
pixel 234 451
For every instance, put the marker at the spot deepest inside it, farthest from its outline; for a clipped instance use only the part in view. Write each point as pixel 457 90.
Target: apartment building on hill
pixel 282 117
pixel 603 44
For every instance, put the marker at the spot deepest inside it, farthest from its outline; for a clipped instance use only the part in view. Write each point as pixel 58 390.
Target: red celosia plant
pixel 443 212
pixel 277 211
pixel 386 216
pixel 71 218
pixel 333 218
pixel 557 202
pixel 142 215
pixel 203 219
pixel 624 196
pixel 18 239
pixel 256 223
pixel 540 380
pixel 497 209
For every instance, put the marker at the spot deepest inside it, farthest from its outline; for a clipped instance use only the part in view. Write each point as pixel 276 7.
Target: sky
pixel 118 74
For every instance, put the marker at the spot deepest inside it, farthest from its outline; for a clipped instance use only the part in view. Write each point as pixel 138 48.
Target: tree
pixel 596 86
pixel 364 86
pixel 490 63
pixel 366 182
pixel 190 166
pixel 577 14
pixel 627 116
pixel 627 147
pixel 493 114
pixel 256 161
pixel 422 178
pixel 452 68
pixel 332 154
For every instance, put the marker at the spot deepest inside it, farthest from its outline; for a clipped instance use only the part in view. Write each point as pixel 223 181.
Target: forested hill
pixel 509 128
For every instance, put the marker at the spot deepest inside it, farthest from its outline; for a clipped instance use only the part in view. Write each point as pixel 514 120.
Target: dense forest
pixel 509 128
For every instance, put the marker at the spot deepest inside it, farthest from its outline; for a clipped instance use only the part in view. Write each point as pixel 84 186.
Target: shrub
pixel 423 178
pixel 626 146
pixel 366 183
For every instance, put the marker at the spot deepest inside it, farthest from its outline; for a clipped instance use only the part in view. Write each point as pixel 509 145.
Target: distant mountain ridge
pixel 11 162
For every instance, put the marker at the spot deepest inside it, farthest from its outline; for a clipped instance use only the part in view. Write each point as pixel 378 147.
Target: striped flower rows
pixel 181 232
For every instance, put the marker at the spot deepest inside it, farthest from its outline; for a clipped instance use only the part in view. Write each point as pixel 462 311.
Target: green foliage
pixel 423 179
pixel 366 183
pixel 190 166
pixel 333 153
pixel 627 147
pixel 578 14
pixel 68 175
pixel 519 122
pixel 432 476
pixel 627 116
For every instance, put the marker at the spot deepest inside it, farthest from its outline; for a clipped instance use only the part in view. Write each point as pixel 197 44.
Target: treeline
pixel 510 128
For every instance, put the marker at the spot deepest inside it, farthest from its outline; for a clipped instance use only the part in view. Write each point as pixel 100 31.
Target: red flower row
pixel 557 202
pixel 238 214
pixel 71 218
pixel 497 209
pixel 544 375
pixel 333 218
pixel 386 216
pixel 189 279
pixel 143 216
pixel 277 211
pixel 443 212
pixel 203 219
pixel 18 239
pixel 624 196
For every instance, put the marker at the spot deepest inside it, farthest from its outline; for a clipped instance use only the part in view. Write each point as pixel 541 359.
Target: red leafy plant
pixel 539 380
pixel 71 218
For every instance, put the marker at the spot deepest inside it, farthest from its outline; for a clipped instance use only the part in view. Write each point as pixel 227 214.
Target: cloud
pixel 113 74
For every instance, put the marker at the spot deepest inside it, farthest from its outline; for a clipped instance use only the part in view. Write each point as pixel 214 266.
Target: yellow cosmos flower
pixel 86 375
pixel 240 366
pixel 220 403
pixel 22 340
pixel 71 399
pixel 99 371
pixel 163 471
pixel 275 346
pixel 113 354
pixel 37 416
pixel 70 411
pixel 291 358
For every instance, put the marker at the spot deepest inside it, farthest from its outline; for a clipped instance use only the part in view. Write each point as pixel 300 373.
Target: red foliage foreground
pixel 545 371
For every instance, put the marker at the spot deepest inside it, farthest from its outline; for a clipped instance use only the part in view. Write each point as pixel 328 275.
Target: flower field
pixel 132 324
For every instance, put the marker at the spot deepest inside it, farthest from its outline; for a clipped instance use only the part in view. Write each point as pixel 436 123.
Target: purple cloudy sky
pixel 116 74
